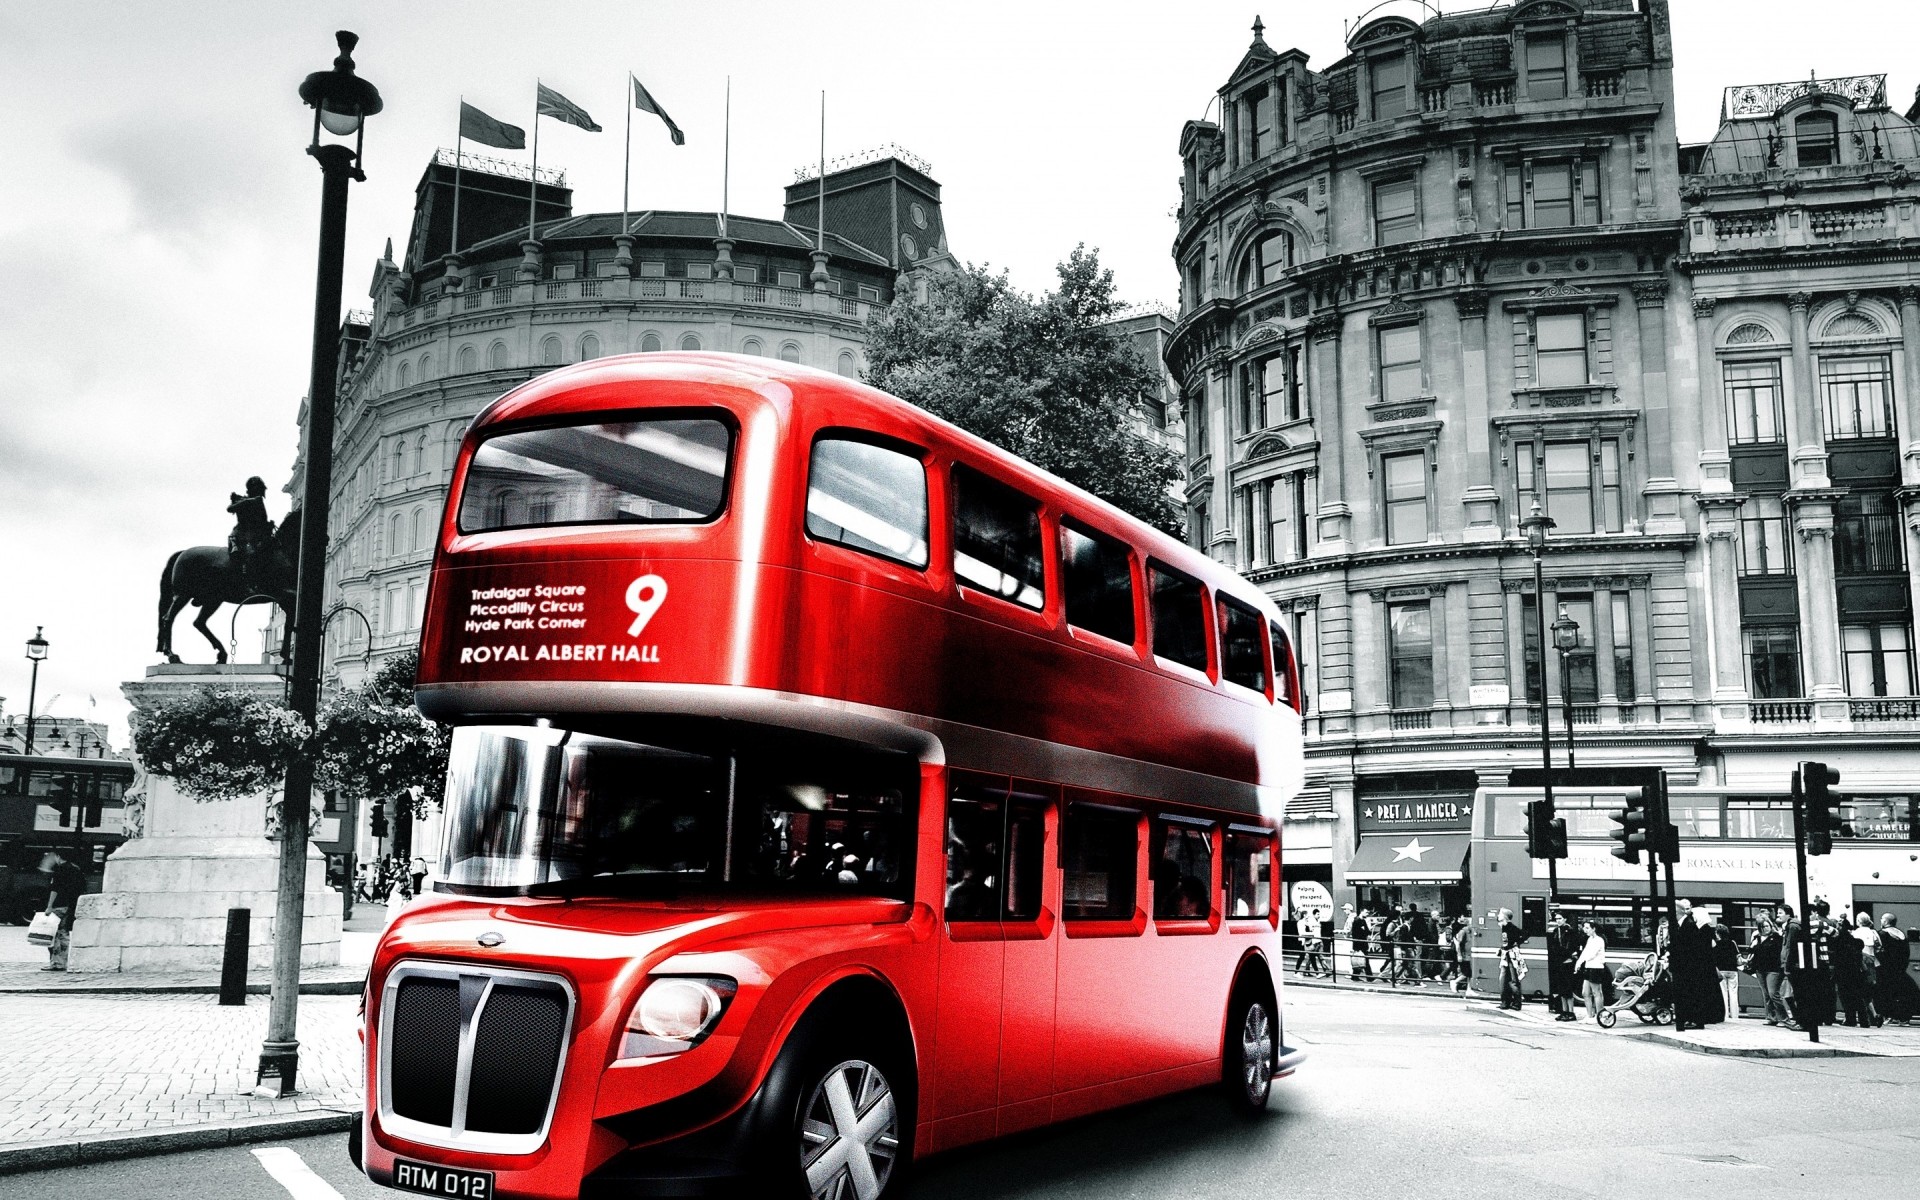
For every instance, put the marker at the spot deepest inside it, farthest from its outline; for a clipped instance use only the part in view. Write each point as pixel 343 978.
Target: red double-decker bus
pixel 829 788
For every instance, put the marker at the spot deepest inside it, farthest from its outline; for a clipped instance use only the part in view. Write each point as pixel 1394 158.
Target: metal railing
pixel 654 288
pixel 1409 964
pixel 1867 544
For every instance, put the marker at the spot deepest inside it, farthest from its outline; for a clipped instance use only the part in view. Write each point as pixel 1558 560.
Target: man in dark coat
pixel 1895 993
pixel 1513 969
pixel 1696 984
pixel 1358 965
pixel 1563 947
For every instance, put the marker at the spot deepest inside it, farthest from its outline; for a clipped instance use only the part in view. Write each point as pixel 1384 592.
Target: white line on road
pixel 292 1173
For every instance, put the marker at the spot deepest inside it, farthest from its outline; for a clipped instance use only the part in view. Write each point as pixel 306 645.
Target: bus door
pixel 993 1043
pixel 1106 965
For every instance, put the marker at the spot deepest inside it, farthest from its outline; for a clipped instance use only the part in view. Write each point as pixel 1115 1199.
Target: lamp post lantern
pixel 1536 525
pixel 1566 639
pixel 341 102
pixel 36 654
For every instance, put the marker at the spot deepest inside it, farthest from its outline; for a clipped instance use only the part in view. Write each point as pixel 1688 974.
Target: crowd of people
pixel 391 881
pixel 1399 946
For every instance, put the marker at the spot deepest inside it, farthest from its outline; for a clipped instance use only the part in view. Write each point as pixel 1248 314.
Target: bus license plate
pixel 431 1180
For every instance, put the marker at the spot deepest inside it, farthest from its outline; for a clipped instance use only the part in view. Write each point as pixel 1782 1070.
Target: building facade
pixel 1467 269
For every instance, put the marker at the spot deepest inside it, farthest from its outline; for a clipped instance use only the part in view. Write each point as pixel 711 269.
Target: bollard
pixel 233 966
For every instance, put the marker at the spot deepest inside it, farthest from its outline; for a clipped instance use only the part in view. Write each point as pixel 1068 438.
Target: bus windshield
pixel 653 469
pixel 535 809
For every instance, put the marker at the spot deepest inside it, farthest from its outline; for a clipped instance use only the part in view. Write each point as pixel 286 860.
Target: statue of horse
pixel 209 577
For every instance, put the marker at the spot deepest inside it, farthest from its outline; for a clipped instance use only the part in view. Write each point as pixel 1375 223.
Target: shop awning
pixel 1408 858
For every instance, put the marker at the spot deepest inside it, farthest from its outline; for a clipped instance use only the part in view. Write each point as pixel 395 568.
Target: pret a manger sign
pixel 544 622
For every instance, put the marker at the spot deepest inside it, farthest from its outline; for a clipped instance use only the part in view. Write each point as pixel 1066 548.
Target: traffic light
pixel 377 820
pixel 1633 822
pixel 1663 836
pixel 1546 833
pixel 1820 805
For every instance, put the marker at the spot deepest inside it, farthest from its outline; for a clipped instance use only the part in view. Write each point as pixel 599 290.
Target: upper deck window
pixel 996 539
pixel 657 469
pixel 1243 660
pixel 1098 582
pixel 868 498
pixel 1179 618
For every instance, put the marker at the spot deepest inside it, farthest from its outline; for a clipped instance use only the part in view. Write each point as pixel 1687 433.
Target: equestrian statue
pixel 258 564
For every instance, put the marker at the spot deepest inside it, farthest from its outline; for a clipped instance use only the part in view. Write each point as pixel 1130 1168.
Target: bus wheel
pixel 850 1132
pixel 1248 1069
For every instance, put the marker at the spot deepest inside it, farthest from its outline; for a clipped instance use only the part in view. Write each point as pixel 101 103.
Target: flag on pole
pixel 553 104
pixel 644 101
pixel 478 126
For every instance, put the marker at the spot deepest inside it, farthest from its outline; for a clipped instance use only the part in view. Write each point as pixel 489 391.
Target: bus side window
pixel 1182 870
pixel 868 498
pixel 1246 876
pixel 1284 667
pixel 1026 857
pixel 1100 850
pixel 1179 617
pixel 975 825
pixel 1098 582
pixel 996 539
pixel 1243 660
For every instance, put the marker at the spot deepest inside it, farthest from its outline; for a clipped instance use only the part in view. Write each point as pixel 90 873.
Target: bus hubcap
pixel 1256 1051
pixel 849 1134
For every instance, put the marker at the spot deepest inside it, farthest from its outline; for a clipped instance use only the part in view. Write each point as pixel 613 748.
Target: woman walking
pixel 1896 994
pixel 1591 969
pixel 1763 963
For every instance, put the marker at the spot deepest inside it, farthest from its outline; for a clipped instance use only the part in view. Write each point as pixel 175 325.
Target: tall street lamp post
pixel 341 102
pixel 36 654
pixel 1535 525
pixel 1566 639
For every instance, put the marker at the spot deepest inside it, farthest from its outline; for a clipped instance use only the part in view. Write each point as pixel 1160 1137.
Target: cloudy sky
pixel 157 213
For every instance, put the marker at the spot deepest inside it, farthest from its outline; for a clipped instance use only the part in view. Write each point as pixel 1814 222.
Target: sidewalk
pixel 20 972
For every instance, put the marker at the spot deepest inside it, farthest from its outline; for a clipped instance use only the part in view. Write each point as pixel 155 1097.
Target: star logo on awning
pixel 1412 850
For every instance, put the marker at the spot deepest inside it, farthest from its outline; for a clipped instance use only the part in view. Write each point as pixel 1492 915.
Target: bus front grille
pixel 471 1057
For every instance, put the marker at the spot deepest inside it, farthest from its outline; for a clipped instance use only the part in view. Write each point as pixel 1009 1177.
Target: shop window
pixel 1816 139
pixel 1179 617
pixel 1756 412
pixel 1100 851
pixel 1097 578
pixel 1246 875
pixel 1182 871
pixel 1404 487
pixel 1410 654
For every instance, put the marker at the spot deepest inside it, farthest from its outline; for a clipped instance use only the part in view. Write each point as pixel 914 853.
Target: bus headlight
pixel 674 1014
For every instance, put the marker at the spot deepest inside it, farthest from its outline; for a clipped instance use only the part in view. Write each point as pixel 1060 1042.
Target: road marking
pixel 292 1173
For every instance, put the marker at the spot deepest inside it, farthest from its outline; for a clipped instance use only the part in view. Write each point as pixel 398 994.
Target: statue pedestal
pixel 166 895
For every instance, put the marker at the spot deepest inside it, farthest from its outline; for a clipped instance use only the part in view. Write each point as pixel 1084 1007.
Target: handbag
pixel 40 932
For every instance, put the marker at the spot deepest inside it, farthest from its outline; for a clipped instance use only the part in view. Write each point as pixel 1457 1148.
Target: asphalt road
pixel 1404 1096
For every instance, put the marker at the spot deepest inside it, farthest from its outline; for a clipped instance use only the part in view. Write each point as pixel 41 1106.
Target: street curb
pixel 1809 1050
pixel 43 1156
pixel 320 987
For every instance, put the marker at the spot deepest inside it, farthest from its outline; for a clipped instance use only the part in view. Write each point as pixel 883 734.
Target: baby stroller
pixel 1647 990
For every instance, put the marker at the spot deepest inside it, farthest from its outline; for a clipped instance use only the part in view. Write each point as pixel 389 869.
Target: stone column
pixel 1909 498
pixel 1516 656
pixel 1603 647
pixel 1370 697
pixel 1716 468
pixel 1720 525
pixel 1907 406
pixel 1550 682
pixel 1443 696
pixel 1819 609
pixel 1335 518
pixel 1807 443
pixel 1662 492
pixel 1481 499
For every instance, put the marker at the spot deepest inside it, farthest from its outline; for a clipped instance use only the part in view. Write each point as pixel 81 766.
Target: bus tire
pixel 840 1111
pixel 1246 1068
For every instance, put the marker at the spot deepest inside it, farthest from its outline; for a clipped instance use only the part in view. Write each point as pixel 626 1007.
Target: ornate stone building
pixel 450 331
pixel 1467 268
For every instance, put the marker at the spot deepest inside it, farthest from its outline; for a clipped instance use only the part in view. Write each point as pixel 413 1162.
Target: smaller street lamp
pixel 1536 525
pixel 36 654
pixel 1566 639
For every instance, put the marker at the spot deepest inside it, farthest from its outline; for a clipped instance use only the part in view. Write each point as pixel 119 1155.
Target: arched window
pixel 849 366
pixel 690 341
pixel 506 508
pixel 399 459
pixel 589 347
pixel 1268 261
pixel 540 509
pixel 394 531
pixel 752 346
pixel 419 528
pixel 790 352
pixel 1750 334
pixel 649 342
pixel 420 454
pixel 1851 325
pixel 426 367
pixel 1816 137
pixel 550 351
pixel 403 377
pixel 497 356
pixel 469 360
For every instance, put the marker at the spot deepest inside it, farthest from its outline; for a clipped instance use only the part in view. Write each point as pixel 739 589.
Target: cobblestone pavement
pixel 20 965
pixel 78 1066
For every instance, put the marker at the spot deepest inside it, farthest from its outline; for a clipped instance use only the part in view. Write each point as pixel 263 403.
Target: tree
pixel 1045 379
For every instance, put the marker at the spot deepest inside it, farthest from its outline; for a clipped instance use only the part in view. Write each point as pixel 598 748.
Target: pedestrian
pixel 1849 977
pixel 418 871
pixel 1696 985
pixel 1563 949
pixel 1896 995
pixel 1513 969
pixel 1591 969
pixel 1357 964
pixel 1313 961
pixel 1726 962
pixel 1792 935
pixel 63 896
pixel 1763 963
pixel 1463 952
